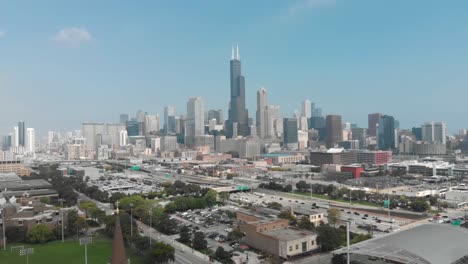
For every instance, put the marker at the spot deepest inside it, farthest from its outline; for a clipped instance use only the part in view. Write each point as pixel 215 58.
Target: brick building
pixel 276 237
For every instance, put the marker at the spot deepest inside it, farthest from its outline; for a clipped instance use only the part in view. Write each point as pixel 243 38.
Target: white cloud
pixel 73 36
pixel 304 5
pixel 2 33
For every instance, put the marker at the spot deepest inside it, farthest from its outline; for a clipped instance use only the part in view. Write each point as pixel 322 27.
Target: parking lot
pixel 213 222
pixel 361 221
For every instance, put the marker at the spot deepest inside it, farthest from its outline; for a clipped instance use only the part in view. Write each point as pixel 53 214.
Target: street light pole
pixel 26 252
pixel 151 224
pixel 350 199
pixel 347 241
pixel 85 241
pixel 3 228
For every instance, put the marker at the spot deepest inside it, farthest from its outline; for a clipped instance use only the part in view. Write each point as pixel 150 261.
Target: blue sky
pixel 64 62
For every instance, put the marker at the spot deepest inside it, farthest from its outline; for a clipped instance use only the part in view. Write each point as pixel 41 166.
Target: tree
pixel 223 196
pixel 161 253
pixel 81 225
pixel 288 215
pixel 45 200
pixel 141 244
pixel 210 197
pixel 304 223
pixel 420 205
pixel 72 218
pixel 328 237
pixel 40 234
pixel 199 241
pixel 222 255
pixel 275 205
pixel 15 233
pixel 333 216
pixel 235 235
pixel 302 186
pixel 184 235
pixel 165 225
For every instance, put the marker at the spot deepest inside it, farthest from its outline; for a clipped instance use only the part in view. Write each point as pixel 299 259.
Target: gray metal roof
pixel 424 244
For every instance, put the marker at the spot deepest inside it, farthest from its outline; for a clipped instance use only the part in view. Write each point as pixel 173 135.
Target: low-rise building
pixel 276 237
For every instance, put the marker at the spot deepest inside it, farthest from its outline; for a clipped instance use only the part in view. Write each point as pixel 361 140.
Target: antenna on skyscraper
pixel 237 52
pixel 232 54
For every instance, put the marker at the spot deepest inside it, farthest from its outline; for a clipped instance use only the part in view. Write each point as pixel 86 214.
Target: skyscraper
pixel 195 121
pixel 151 124
pixel 15 142
pixel 334 130
pixel 238 115
pixel 273 122
pixel 306 109
pixel 30 140
pixel 169 120
pixel 262 102
pixel 386 133
pixel 372 121
pixel 123 118
pixel 216 114
pixel 290 133
pixel 123 136
pixel 21 134
pixel 434 132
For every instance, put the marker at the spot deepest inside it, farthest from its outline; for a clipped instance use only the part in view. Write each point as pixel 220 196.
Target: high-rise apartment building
pixel 434 132
pixel 169 120
pixel 15 137
pixel 238 116
pixel 30 140
pixel 372 121
pixel 262 103
pixel 194 122
pixel 334 130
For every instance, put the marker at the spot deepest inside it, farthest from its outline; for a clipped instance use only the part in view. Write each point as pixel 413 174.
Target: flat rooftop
pixel 10 176
pixel 25 185
pixel 288 234
pixel 425 244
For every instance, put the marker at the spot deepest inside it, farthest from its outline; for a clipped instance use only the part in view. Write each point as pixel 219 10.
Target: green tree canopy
pixel 40 234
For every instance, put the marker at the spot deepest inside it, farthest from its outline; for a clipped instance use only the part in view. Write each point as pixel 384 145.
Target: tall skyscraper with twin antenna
pixel 238 116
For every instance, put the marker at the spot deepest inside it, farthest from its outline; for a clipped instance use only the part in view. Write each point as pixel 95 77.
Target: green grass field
pixel 69 252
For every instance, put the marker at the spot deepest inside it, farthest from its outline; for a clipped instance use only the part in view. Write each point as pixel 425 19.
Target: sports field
pixel 69 252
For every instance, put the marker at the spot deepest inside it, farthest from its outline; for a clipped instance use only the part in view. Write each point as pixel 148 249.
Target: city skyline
pixel 74 54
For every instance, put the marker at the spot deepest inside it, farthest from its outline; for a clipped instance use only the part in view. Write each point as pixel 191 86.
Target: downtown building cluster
pixel 200 131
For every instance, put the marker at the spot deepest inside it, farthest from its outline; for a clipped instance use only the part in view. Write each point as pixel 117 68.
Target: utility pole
pixel 131 220
pixel 61 210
